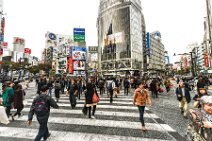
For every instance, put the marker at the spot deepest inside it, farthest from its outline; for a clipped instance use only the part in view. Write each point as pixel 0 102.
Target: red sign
pixel 27 51
pixel 1 51
pixel 70 64
pixel 5 44
pixel 206 60
pixel 18 40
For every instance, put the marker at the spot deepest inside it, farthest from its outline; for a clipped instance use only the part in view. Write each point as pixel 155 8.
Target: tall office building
pixel 120 26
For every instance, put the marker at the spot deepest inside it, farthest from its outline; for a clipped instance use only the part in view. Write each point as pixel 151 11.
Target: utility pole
pixel 208 6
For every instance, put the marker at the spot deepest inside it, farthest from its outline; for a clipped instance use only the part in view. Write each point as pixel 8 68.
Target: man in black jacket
pixel 41 107
pixel 184 98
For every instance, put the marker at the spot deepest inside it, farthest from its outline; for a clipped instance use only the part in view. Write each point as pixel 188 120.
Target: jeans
pixel 43 130
pixel 141 114
pixel 111 96
pixel 183 104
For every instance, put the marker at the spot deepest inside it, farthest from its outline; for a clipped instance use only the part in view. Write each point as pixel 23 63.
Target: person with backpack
pixel 8 97
pixel 18 100
pixel 41 108
pixel 111 88
pixel 101 86
pixel 141 96
pixel 167 84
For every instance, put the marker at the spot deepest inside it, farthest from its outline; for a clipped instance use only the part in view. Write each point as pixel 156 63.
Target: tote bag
pixel 3 116
pixel 95 98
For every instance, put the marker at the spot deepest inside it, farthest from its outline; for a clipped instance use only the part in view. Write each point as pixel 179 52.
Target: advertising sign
pixel 93 49
pixel 79 65
pixel 1 51
pixel 79 34
pixel 148 39
pixel 206 60
pixel 79 53
pixel 79 73
pixel 70 65
pixel 5 44
pixel 27 50
pixel 17 40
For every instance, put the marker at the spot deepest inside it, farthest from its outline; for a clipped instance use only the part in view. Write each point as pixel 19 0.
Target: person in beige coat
pixel 141 96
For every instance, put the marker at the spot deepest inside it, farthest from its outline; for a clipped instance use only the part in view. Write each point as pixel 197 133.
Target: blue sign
pixel 79 31
pixel 1 38
pixel 52 36
pixel 148 40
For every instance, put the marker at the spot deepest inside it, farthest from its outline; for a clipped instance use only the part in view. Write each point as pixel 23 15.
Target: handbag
pixel 3 116
pixel 95 98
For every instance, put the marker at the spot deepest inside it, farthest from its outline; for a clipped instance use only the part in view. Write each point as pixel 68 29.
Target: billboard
pixel 70 65
pixel 79 53
pixel 79 34
pixel 79 65
pixel 27 50
pixel 79 73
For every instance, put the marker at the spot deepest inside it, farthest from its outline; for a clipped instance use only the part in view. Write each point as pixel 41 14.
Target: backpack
pixel 40 106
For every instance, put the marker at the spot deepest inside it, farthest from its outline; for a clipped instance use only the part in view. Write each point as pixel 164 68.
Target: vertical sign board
pixel 148 39
pixel 206 60
pixel 79 34
pixel 70 64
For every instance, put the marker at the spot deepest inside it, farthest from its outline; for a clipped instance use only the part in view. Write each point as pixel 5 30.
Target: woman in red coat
pixel 18 100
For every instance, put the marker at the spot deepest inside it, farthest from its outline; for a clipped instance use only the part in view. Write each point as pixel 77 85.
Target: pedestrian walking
pixel 126 86
pixel 57 89
pixel 79 86
pixel 111 88
pixel 91 98
pixel 19 95
pixel 101 86
pixel 184 98
pixel 50 86
pixel 154 86
pixel 41 108
pixel 141 96
pixel 8 97
pixel 72 91
pixel 167 84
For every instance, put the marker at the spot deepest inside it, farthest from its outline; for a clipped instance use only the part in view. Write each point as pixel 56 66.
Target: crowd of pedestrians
pixel 92 89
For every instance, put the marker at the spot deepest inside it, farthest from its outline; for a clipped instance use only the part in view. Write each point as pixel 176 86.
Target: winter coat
pixel 9 92
pixel 90 89
pixel 18 99
pixel 187 94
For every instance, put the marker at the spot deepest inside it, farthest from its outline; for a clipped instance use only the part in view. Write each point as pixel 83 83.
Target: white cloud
pixel 179 21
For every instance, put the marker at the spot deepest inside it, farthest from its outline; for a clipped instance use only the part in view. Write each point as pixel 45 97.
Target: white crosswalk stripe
pixel 114 122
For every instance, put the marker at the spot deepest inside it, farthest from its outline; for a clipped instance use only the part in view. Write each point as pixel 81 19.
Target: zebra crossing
pixel 114 122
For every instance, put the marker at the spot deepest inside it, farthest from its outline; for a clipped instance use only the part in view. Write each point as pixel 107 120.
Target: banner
pixel 1 51
pixel 27 50
pixel 70 65
pixel 206 60
pixel 79 53
pixel 79 73
pixel 79 65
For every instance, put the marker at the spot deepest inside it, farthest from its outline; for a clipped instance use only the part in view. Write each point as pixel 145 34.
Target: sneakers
pixel 47 137
pixel 143 129
pixel 93 117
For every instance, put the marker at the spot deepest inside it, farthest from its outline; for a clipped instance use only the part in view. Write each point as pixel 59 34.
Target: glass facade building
pixel 120 36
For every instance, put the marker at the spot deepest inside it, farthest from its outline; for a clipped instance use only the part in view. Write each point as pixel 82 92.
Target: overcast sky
pixel 179 21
